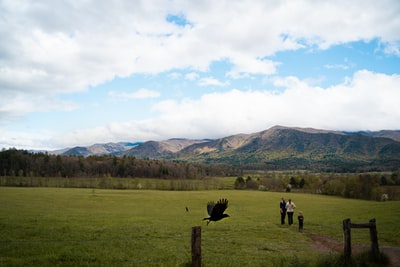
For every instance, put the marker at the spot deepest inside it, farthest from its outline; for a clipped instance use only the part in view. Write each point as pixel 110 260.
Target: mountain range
pixel 276 148
pixel 97 149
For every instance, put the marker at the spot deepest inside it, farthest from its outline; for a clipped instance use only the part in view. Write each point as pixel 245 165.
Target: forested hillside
pixel 285 148
pixel 22 163
pixel 278 148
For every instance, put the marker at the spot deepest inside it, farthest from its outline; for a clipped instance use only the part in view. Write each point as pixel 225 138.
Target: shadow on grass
pixel 364 259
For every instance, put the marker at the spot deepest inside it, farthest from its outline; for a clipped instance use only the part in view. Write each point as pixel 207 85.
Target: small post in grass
pixel 196 246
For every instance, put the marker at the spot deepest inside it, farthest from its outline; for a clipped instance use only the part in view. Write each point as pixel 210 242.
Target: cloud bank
pixel 51 49
pixel 361 103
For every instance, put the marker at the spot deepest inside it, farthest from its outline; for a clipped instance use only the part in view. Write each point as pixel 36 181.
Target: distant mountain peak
pixel 305 130
pixel 99 149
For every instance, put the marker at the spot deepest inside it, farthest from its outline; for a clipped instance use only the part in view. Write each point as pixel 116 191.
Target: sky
pixel 81 72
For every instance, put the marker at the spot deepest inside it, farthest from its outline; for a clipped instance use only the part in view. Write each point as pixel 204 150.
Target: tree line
pixel 368 186
pixel 21 163
pixel 114 171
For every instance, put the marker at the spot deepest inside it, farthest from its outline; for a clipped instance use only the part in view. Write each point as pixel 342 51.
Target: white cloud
pixel 392 48
pixel 336 66
pixel 351 106
pixel 138 94
pixel 192 76
pixel 23 103
pixel 212 81
pixel 367 101
pixel 28 140
pixel 175 75
pixel 100 41
pixel 245 65
pixel 344 66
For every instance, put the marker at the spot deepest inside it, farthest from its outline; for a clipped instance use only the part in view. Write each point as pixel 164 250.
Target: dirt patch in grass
pixel 326 244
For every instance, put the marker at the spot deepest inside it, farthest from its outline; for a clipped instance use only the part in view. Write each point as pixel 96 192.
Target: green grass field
pixel 93 227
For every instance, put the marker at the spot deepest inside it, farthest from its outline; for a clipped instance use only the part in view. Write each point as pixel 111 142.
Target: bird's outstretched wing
pixel 219 208
pixel 210 207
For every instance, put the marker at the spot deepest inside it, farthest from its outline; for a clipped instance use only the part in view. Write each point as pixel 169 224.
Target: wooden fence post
pixel 347 238
pixel 374 239
pixel 196 246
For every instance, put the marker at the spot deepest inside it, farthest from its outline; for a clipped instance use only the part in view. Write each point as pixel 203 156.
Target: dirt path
pixel 325 244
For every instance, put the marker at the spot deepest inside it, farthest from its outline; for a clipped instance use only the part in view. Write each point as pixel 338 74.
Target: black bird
pixel 216 211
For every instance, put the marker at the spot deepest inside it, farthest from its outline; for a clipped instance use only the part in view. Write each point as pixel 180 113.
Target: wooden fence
pixel 347 225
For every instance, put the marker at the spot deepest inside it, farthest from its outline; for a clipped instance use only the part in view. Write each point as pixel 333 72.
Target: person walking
pixel 282 207
pixel 290 206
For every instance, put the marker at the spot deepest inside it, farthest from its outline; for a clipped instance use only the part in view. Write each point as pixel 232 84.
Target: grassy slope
pixel 65 227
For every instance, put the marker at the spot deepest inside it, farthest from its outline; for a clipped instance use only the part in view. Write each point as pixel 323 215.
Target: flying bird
pixel 216 211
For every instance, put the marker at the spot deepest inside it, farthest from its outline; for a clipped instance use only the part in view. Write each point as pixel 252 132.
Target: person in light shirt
pixel 290 206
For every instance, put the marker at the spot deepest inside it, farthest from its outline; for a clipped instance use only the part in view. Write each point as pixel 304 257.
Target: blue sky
pixel 76 73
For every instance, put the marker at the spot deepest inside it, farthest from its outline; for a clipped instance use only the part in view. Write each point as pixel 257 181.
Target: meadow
pixel 99 227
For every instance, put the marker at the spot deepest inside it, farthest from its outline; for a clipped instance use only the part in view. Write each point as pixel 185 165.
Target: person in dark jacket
pixel 300 217
pixel 282 206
